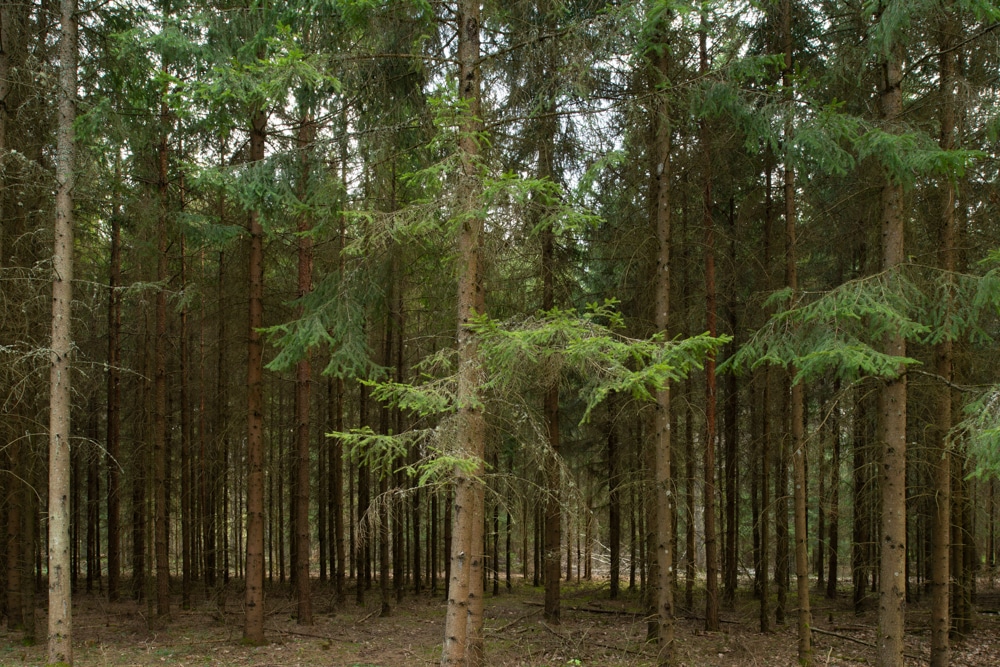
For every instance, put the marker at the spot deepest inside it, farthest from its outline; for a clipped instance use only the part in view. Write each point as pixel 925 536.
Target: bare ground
pixel 595 631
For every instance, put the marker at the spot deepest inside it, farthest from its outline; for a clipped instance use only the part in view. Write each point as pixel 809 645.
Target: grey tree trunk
pixel 662 484
pixel 60 625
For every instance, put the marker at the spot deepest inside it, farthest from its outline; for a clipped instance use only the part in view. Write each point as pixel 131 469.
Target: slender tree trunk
pixel 222 413
pixel 337 482
pixel 767 422
pixel 614 501
pixel 114 410
pixel 730 561
pixel 363 500
pixel 324 522
pixel 29 551
pixel 711 536
pixel 463 621
pixel 93 508
pixel 302 399
pixel 861 533
pixel 188 563
pixel 160 385
pixel 432 546
pixel 892 403
pixel 60 625
pixel 550 408
pixel 781 558
pixel 140 475
pixel 337 416
pixel 662 483
pixel 941 461
pixel 15 564
pixel 834 520
pixel 798 441
pixel 74 503
pixel 689 494
pixel 253 631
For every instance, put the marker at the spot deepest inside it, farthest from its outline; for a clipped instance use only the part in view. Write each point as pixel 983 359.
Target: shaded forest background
pixel 283 212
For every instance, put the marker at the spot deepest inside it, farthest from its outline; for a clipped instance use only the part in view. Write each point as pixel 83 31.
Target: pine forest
pixel 551 332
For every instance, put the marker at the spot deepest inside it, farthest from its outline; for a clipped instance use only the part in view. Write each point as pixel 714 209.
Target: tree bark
pixel 834 518
pixel 160 384
pixel 463 621
pixel 60 622
pixel 614 501
pixel 253 631
pixel 188 562
pixel 662 483
pixel 941 461
pixel 892 402
pixel 711 536
pixel 797 390
pixel 114 410
pixel 302 381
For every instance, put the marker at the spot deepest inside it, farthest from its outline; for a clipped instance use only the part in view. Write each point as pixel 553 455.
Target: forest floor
pixel 594 631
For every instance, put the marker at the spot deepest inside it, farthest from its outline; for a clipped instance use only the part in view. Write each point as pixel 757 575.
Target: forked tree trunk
pixel 60 625
pixel 892 403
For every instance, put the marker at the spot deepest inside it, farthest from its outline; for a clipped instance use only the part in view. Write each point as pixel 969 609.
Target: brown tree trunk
pixel 188 563
pixel 160 385
pixel 941 461
pixel 222 417
pixel 798 442
pixel 892 402
pixel 253 631
pixel 93 508
pixel 302 379
pixel 60 624
pixel 463 621
pixel 550 409
pixel 114 410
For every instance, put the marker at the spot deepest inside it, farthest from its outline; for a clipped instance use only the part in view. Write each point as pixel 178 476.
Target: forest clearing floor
pixel 595 631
